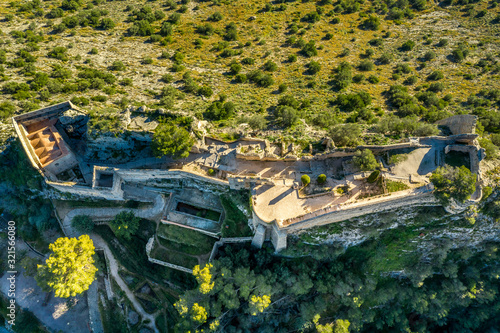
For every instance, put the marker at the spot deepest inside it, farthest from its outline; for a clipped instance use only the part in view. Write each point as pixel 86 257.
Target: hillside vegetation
pixel 291 68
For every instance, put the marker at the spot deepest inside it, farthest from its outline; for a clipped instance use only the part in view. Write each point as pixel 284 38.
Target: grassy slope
pixel 271 30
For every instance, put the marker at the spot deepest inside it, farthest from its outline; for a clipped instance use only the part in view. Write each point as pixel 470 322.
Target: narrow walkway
pixel 113 269
pixel 106 214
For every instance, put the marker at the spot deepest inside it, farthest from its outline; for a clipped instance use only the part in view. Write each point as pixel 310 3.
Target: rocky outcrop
pixel 74 123
pixel 460 124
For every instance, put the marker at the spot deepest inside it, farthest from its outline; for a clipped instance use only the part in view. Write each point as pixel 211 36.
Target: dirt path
pixel 113 268
pixel 107 214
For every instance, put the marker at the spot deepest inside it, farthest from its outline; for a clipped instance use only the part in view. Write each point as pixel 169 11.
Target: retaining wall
pixel 426 199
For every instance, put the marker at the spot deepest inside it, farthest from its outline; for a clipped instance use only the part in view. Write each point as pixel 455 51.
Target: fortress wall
pixel 43 114
pixel 85 191
pixel 427 199
pixel 21 133
pixel 148 175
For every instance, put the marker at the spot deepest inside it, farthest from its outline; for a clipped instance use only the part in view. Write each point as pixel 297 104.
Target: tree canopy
pixel 365 160
pixel 171 139
pixel 453 182
pixel 125 224
pixel 70 269
pixel 82 223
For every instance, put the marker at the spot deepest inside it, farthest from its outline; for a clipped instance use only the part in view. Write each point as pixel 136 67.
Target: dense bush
pixel 270 66
pixel 305 179
pixel 261 79
pixel 171 139
pixel 373 176
pixel 313 67
pixel 309 50
pixel 59 52
pixel 365 66
pixel 285 115
pixel 321 179
pixel 453 182
pixel 354 101
pixel 385 58
pixel 408 45
pixel 220 110
pixel 435 76
pixel 215 17
pixel 365 160
pixel 7 109
pixel 371 23
pixel 348 135
pixel 141 28
pixel 82 223
pixel 343 76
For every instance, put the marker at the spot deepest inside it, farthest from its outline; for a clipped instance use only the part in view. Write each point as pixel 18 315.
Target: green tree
pixel 170 139
pixel 70 269
pixel 365 160
pixel 346 135
pixel 82 223
pixel 125 224
pixel 321 179
pixel 453 182
pixel 305 179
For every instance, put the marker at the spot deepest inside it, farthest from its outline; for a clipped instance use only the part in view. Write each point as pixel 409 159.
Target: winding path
pixel 106 214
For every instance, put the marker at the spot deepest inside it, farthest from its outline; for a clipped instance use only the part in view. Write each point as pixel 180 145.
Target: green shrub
pixel 106 24
pixel 442 42
pixel 219 110
pixel 408 45
pixel 261 79
pixel 241 78
pixel 373 79
pixel 141 28
pixel 321 179
pixel 435 76
pixel 365 66
pixel 117 66
pixel 358 78
pixel 309 50
pixel 211 172
pixel 270 66
pixel 59 52
pixel 205 91
pixel 373 176
pixel 7 109
pixel 305 179
pixel 371 23
pixel 343 76
pixel 365 160
pixel 313 67
pixel 82 223
pixel 215 17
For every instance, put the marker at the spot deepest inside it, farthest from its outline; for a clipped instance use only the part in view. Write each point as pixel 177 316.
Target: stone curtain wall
pixel 426 199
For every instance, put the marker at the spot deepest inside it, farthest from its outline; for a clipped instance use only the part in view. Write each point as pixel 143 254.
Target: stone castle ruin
pixel 53 138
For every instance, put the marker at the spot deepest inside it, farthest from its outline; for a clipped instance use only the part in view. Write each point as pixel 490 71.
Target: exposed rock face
pixel 74 123
pixel 460 124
